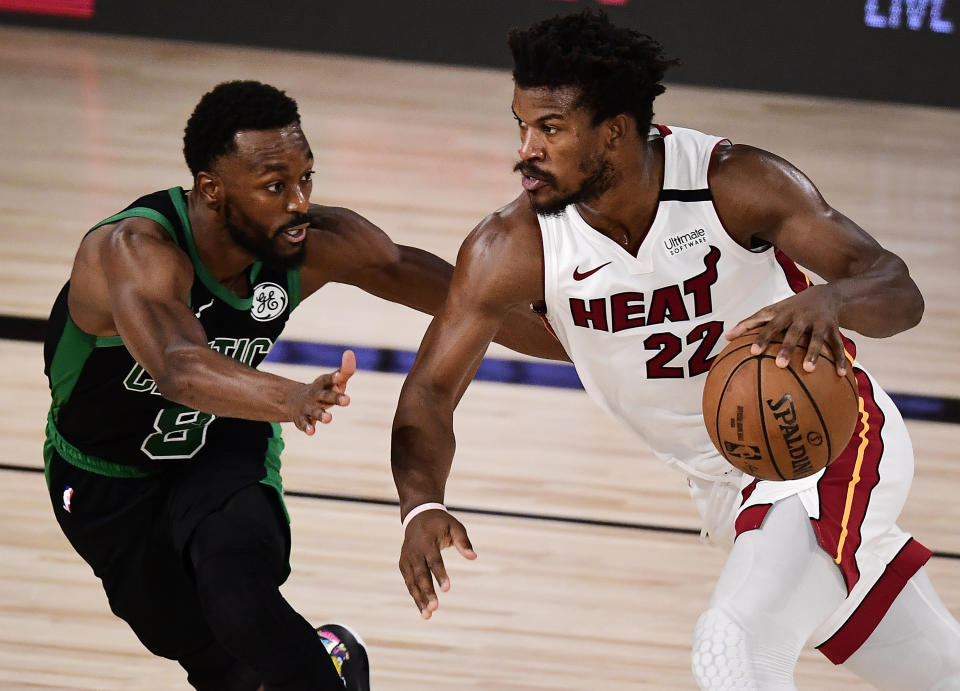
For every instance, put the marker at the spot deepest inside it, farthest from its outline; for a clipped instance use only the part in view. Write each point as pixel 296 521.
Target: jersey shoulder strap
pixel 166 207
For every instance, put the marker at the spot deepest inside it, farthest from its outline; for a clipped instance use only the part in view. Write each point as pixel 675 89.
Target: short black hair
pixel 227 109
pixel 617 70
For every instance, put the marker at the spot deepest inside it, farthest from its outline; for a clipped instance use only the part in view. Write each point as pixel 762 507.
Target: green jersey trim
pixel 293 287
pixel 142 212
pixel 73 349
pixel 272 479
pixel 93 464
pixel 212 284
pixel 271 463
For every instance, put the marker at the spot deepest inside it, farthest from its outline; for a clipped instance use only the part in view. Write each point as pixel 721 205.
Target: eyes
pixel 279 187
pixel 543 127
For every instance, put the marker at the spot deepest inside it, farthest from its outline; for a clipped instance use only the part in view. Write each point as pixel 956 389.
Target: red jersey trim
pixel 751 518
pixel 847 486
pixel 865 618
pixel 795 277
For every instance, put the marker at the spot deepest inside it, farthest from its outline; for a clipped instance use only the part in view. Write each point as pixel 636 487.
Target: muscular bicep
pixel 148 282
pixel 455 342
pixel 496 273
pixel 763 198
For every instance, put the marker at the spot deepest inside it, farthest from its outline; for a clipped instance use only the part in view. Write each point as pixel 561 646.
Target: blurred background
pixel 895 50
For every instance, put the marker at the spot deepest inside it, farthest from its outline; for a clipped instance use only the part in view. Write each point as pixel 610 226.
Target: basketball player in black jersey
pixel 162 448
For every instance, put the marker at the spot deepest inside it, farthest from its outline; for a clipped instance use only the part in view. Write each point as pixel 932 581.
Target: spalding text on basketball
pixel 786 417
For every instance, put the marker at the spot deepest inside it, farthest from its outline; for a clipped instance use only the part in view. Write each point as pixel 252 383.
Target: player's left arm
pixel 354 251
pixel 761 197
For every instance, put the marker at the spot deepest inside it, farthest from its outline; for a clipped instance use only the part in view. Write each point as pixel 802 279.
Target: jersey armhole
pixel 756 248
pixel 142 212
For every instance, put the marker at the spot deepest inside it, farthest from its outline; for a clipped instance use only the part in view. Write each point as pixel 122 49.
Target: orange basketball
pixel 773 423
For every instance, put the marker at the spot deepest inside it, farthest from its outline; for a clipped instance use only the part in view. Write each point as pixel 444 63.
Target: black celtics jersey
pixel 107 415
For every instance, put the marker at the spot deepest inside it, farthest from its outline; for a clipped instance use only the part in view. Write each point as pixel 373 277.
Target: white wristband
pixel 417 510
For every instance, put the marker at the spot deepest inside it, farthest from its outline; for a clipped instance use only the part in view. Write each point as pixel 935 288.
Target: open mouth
pixel 531 183
pixel 296 233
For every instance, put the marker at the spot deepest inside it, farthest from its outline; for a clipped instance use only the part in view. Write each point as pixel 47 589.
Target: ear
pixel 617 129
pixel 209 189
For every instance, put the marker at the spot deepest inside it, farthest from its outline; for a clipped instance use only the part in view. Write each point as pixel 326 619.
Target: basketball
pixel 773 423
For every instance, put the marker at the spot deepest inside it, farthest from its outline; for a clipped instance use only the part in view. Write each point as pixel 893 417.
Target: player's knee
pixel 720 658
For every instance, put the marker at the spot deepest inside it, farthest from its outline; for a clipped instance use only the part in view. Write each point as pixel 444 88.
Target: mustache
pixel 532 171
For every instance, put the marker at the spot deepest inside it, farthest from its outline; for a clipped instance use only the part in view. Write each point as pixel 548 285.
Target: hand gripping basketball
pixel 778 423
pixel 420 561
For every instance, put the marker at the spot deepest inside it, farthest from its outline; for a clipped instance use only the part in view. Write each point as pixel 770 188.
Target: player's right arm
pixel 130 279
pixel 498 269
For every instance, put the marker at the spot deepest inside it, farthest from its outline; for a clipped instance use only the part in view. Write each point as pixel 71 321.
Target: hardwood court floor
pixel 87 124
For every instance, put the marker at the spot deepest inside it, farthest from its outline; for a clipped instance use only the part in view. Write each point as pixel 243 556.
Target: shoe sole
pixel 359 665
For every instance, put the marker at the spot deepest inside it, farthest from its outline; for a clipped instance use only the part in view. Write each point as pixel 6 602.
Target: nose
pixel 531 146
pixel 299 201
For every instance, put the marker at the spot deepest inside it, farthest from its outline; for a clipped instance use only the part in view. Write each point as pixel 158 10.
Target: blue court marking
pixel 553 374
pixel 533 373
pixel 530 373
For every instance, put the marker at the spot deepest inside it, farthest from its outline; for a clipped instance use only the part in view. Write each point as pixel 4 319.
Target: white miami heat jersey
pixel 642 330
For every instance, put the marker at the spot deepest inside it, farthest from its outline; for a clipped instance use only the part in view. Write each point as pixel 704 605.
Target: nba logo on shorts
pixel 67 496
pixel 269 302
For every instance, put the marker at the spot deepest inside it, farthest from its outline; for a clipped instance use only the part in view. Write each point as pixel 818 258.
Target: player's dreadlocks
pixel 617 70
pixel 227 109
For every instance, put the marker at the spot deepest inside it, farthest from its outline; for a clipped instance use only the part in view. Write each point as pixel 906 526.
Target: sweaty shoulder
pixel 503 255
pixel 754 190
pixel 511 227
pixel 134 251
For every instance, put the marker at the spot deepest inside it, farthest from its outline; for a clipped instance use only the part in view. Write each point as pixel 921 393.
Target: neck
pixel 626 211
pixel 226 261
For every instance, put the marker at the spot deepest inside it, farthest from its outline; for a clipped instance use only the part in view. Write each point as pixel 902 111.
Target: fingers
pixel 421 561
pixel 790 339
pixel 439 571
pixel 416 575
pixel 460 540
pixel 348 367
pixel 814 348
pixel 835 341
pixel 752 322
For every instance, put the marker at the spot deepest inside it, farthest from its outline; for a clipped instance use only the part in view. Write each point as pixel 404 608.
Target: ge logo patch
pixel 269 302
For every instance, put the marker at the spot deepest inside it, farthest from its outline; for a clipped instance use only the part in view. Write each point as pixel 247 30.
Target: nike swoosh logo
pixel 204 307
pixel 577 276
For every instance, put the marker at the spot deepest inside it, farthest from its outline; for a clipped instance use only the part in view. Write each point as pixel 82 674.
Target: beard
pixel 600 177
pixel 264 246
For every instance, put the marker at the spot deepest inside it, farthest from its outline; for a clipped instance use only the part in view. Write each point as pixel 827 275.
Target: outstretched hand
pixel 311 401
pixel 814 312
pixel 420 560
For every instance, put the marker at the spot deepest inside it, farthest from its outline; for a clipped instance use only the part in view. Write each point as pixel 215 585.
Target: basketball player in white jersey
pixel 643 246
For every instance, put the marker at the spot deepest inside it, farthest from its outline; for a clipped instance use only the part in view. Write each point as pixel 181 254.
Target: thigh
pixel 915 646
pixel 252 525
pixel 118 526
pixel 777 582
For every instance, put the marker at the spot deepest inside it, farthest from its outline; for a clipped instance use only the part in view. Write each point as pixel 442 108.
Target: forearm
pixel 881 300
pixel 422 450
pixel 205 380
pixel 415 278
